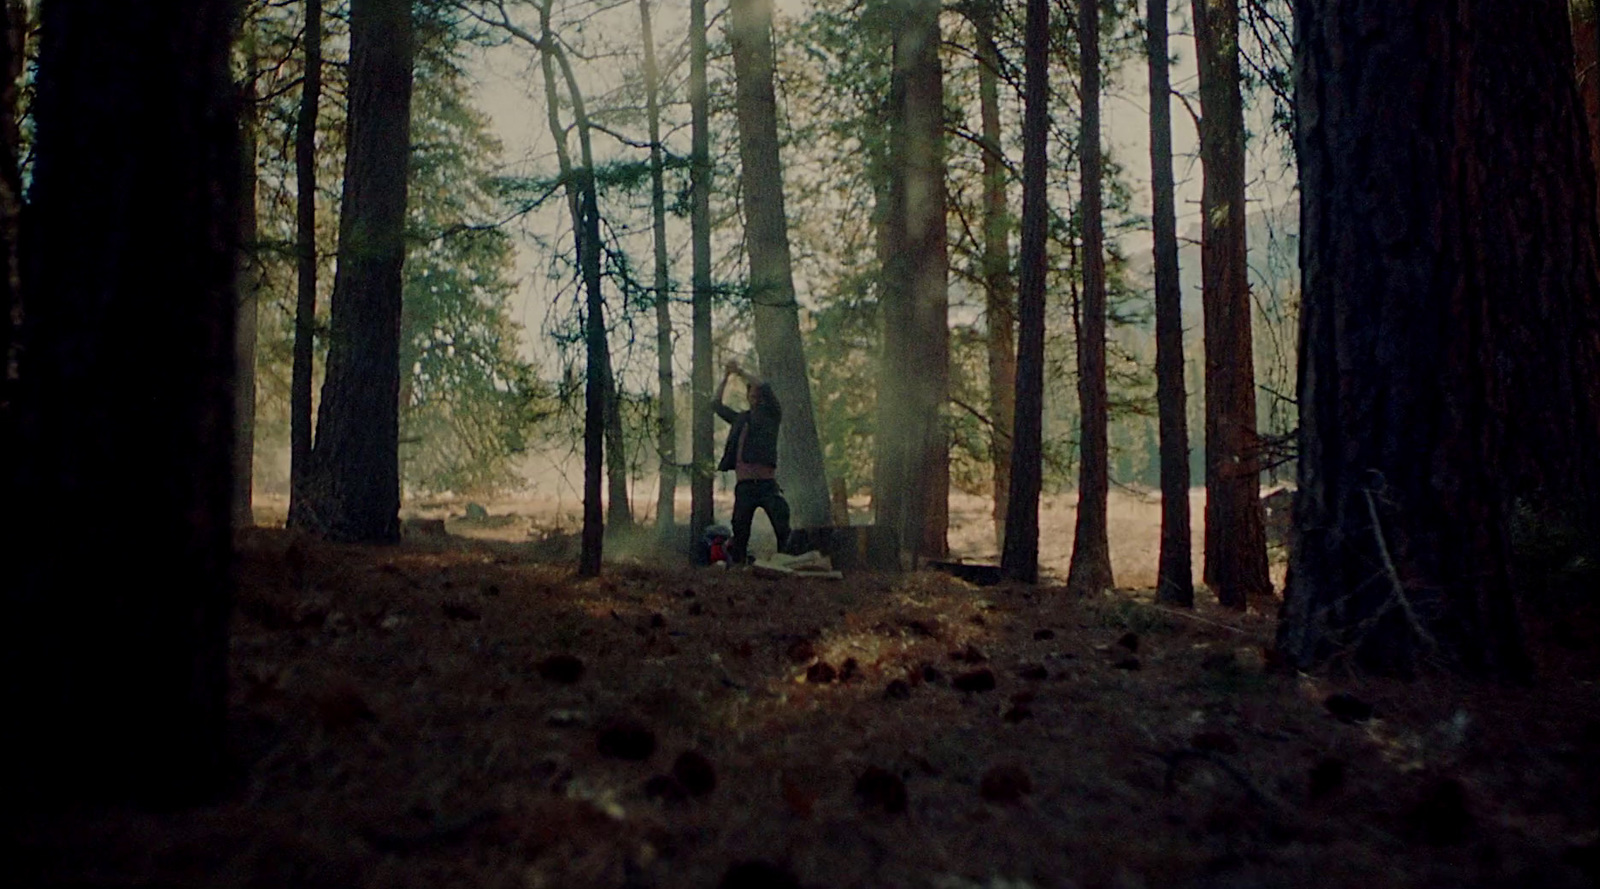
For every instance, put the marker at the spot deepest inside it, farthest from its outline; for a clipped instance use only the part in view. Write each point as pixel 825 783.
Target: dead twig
pixel 1399 590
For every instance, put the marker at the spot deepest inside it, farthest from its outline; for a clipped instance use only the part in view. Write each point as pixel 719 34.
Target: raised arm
pixel 722 410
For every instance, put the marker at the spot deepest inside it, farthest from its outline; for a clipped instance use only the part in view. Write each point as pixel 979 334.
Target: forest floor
pixel 468 712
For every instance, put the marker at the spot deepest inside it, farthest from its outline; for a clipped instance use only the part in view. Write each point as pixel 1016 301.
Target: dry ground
pixel 400 719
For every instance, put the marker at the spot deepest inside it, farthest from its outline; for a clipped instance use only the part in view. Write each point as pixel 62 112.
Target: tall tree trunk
pixel 891 471
pixel 1450 358
pixel 353 484
pixel 583 205
pixel 1020 557
pixel 927 242
pixel 772 294
pixel 1235 544
pixel 913 495
pixel 667 446
pixel 701 510
pixel 1175 574
pixel 305 240
pixel 619 512
pixel 13 55
pixel 116 644
pixel 247 289
pixel 1586 60
pixel 1090 569
pixel 999 286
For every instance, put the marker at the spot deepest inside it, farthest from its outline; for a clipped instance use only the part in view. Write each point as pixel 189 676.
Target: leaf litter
pixel 476 716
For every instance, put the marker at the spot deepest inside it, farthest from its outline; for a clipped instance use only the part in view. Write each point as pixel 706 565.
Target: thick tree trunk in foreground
pixel 305 244
pixel 772 294
pixel 1020 557
pixel 667 419
pixel 703 454
pixel 999 286
pixel 1235 544
pixel 1450 345
pixel 116 643
pixel 1586 67
pixel 1175 575
pixel 13 36
pixel 912 492
pixel 1090 569
pixel 352 489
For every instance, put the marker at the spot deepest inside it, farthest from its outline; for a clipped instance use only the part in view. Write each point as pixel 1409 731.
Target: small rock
pixel 490 589
pixel 657 621
pixel 565 718
pixel 821 673
pixel 695 773
pixel 696 609
pixel 849 670
pixel 977 619
pixel 883 790
pixel 1129 641
pixel 1004 784
pixel 1220 662
pixel 759 875
pixel 898 690
pixel 626 739
pixel 459 611
pixel 1440 816
pixel 1348 708
pixel 1326 778
pixel 800 651
pixel 1250 659
pixel 337 623
pixel 1044 634
pixel 665 788
pixel 1033 671
pixel 1127 663
pixel 975 680
pixel 1018 713
pixel 930 673
pixel 929 628
pixel 476 512
pixel 971 654
pixel 341 706
pixel 561 668
pixel 1215 742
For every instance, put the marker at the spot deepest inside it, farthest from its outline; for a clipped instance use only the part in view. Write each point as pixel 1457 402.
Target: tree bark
pixel 1586 63
pixel 352 489
pixel 999 286
pixel 247 290
pixel 1175 574
pixel 1090 569
pixel 115 644
pixel 305 304
pixel 772 293
pixel 13 56
pixel 701 510
pixel 667 431
pixel 1020 557
pixel 583 205
pixel 913 497
pixel 1450 341
pixel 1235 544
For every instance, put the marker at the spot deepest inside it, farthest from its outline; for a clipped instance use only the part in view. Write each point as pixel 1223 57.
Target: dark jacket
pixel 762 445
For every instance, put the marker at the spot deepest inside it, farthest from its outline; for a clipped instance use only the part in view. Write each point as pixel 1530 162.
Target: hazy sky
pixel 508 75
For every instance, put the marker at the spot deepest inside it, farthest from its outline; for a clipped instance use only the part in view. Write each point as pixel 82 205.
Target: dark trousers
pixel 748 496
